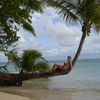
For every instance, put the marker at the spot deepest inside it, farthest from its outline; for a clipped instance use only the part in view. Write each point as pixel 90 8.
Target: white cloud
pixel 27 41
pixel 55 39
pixel 64 36
pixel 62 33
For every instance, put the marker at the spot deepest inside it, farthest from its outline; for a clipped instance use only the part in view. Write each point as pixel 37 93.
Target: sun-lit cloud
pixel 57 39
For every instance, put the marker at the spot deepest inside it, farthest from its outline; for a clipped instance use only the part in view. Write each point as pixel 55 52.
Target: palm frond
pixel 34 5
pixel 28 26
pixel 96 19
pixel 96 28
pixel 42 66
pixel 28 59
pixel 65 8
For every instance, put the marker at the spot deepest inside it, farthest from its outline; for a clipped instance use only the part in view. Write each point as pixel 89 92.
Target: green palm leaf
pixel 28 26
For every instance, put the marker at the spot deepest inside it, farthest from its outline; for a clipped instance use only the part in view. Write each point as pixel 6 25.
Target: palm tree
pixel 29 61
pixel 86 12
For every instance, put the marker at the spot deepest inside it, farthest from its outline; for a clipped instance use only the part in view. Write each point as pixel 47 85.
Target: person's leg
pixel 57 67
pixel 54 67
pixel 60 67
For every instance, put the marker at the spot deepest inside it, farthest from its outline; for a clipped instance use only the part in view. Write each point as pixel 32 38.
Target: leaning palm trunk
pixel 8 79
pixel 79 49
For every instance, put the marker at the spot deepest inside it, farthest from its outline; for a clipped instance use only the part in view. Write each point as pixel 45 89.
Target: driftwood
pixel 11 79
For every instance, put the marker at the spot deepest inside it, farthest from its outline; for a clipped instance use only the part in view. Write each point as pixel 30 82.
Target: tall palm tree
pixel 87 12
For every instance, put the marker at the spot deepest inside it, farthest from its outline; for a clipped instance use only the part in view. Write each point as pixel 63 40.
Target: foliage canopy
pixel 13 15
pixel 30 61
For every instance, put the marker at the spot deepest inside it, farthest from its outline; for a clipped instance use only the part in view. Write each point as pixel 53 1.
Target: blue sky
pixel 57 39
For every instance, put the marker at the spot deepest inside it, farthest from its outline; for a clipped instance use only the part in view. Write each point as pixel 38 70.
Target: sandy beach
pixel 49 94
pixel 6 96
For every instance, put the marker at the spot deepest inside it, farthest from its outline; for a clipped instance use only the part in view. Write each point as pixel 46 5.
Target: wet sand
pixel 54 94
pixel 6 96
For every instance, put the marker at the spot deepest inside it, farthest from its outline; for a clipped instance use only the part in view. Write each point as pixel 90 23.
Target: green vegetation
pixel 29 58
pixel 15 14
pixel 30 61
pixel 42 66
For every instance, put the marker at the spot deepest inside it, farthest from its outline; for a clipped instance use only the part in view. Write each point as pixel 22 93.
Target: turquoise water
pixel 11 67
pixel 85 74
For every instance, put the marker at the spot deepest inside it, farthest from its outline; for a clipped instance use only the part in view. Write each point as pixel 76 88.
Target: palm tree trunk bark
pixel 79 49
pixel 8 79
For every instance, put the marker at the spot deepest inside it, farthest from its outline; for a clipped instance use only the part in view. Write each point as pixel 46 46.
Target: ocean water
pixel 85 74
pixel 11 68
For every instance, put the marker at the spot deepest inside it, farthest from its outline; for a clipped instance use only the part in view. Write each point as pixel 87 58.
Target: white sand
pixel 6 96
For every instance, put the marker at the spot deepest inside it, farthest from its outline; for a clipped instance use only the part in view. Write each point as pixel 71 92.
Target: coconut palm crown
pixel 32 60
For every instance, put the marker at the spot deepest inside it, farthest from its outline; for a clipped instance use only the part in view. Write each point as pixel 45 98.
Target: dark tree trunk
pixel 8 79
pixel 79 49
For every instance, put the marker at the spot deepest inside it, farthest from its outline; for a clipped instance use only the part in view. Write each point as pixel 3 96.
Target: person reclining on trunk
pixel 67 64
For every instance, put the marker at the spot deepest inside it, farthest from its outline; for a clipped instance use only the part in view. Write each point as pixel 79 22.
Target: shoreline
pixel 50 94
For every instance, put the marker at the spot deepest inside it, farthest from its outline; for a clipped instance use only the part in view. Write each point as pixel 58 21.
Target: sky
pixel 56 39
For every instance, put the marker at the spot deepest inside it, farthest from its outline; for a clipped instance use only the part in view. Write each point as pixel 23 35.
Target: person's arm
pixel 66 65
pixel 70 63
